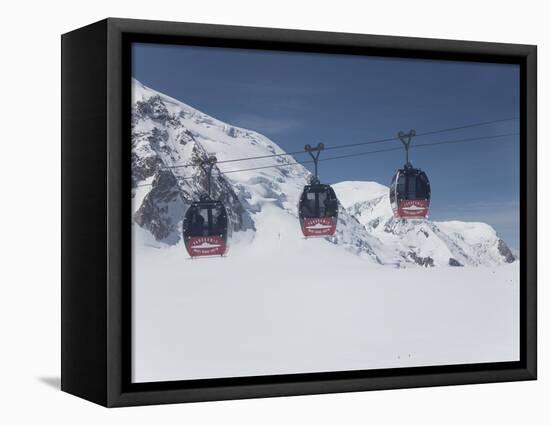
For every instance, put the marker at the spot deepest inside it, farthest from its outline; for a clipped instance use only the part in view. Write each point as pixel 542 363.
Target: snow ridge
pixel 425 242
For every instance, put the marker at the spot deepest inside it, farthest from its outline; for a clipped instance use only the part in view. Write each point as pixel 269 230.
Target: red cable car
pixel 205 229
pixel 410 193
pixel 318 206
pixel 205 222
pixel 318 210
pixel 410 190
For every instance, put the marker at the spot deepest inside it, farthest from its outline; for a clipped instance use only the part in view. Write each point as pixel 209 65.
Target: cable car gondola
pixel 205 228
pixel 205 223
pixel 410 188
pixel 318 206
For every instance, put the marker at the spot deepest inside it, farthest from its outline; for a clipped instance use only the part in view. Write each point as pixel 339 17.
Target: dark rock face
pixel 145 160
pixel 505 251
pixel 162 209
pixel 454 262
pixel 422 261
pixel 143 168
pixel 153 108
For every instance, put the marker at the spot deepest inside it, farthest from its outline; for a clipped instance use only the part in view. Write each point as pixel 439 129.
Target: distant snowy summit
pixel 426 242
pixel 167 135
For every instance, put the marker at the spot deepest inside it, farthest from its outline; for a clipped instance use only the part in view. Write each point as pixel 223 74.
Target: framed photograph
pixel 254 212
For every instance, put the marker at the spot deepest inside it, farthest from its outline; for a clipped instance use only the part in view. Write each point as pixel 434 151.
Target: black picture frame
pixel 96 333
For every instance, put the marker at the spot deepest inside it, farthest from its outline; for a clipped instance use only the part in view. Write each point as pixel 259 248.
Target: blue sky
pixel 299 98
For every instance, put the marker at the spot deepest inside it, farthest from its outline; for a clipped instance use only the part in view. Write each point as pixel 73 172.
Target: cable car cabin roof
pixel 410 171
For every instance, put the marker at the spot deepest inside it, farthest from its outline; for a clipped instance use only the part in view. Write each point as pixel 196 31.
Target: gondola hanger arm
pixel 406 139
pixel 314 152
pixel 207 164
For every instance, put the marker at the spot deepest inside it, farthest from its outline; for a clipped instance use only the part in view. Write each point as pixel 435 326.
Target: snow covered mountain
pixel 167 133
pixel 262 201
pixel 424 242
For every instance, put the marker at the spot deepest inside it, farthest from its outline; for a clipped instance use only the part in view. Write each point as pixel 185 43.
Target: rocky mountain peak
pixel 169 138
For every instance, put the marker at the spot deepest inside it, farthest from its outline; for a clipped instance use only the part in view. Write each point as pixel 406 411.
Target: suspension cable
pixel 371 142
pixel 359 154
